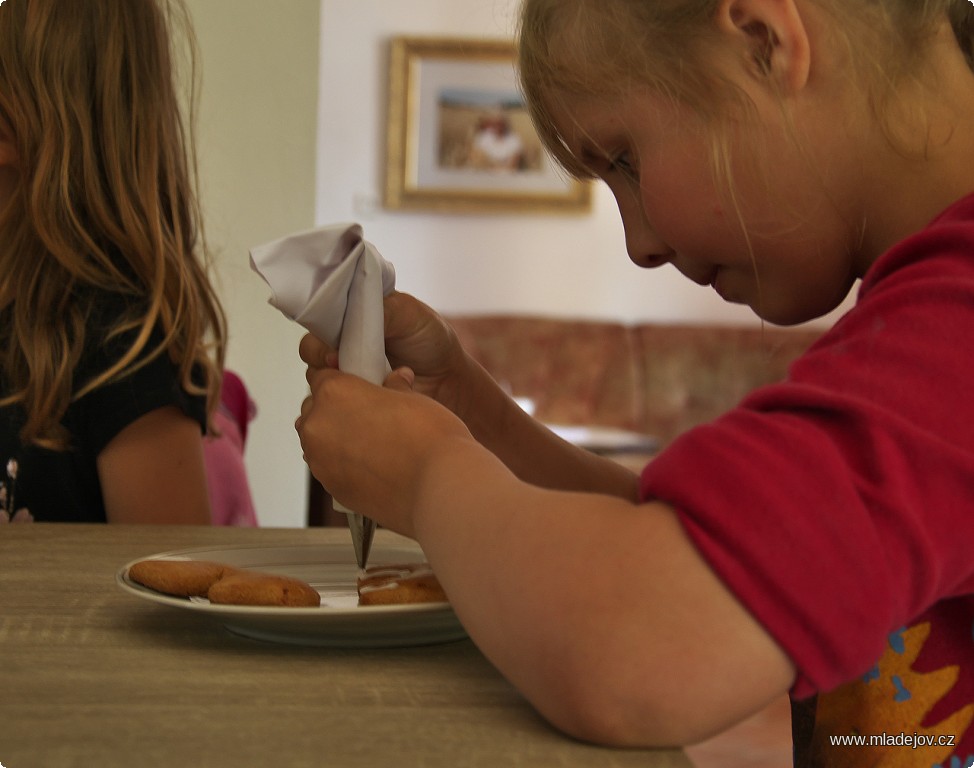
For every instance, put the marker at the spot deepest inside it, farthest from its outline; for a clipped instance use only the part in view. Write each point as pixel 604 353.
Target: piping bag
pixel 331 281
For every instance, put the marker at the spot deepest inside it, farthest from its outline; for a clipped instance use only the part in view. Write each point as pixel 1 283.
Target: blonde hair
pixel 598 47
pixel 105 204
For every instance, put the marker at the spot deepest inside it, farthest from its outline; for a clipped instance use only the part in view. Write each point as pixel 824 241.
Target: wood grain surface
pixel 92 676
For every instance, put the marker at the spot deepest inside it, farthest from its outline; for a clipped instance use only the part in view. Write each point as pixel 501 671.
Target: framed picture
pixel 459 135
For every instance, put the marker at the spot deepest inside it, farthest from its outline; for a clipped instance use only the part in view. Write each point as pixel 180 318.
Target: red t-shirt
pixel 838 506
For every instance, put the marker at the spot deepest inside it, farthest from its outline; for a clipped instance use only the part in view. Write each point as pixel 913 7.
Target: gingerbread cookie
pixel 251 588
pixel 223 584
pixel 182 578
pixel 399 584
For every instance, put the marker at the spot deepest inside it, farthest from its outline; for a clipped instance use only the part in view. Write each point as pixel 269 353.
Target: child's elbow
pixel 669 712
pixel 662 697
pixel 652 719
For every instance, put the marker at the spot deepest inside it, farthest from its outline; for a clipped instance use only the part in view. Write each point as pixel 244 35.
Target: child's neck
pixel 909 188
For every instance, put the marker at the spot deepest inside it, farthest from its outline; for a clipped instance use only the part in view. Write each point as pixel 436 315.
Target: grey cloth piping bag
pixel 332 282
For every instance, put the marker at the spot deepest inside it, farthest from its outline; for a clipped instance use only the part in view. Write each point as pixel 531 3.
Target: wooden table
pixel 93 676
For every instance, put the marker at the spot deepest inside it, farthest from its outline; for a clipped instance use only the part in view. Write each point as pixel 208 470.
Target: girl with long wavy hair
pixel 111 334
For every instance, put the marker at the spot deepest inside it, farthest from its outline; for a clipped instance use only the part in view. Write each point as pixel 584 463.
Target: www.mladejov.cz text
pixel 912 740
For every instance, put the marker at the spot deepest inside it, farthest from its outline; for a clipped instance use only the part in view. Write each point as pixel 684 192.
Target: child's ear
pixel 775 37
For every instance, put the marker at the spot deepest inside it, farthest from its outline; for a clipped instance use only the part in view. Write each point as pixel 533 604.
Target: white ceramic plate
pixel 338 623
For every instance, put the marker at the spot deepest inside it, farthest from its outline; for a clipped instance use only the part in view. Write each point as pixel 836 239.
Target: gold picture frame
pixel 459 137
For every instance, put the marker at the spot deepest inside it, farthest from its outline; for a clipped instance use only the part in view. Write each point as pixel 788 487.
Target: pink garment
pixel 237 403
pixel 230 499
pixel 836 505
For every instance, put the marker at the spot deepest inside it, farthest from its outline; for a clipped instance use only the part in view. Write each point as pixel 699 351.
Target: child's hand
pixel 369 445
pixel 416 337
pixel 316 353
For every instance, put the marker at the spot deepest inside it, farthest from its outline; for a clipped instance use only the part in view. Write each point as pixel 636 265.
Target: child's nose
pixel 650 260
pixel 645 247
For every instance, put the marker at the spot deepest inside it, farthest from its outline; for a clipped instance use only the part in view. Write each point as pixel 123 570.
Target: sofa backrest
pixel 652 378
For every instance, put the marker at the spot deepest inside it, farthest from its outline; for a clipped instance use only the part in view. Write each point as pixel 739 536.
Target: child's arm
pixel 153 472
pixel 598 609
pixel 417 337
pixel 602 613
pixel 527 447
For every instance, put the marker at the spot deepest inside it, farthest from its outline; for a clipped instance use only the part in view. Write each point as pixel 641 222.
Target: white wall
pixel 258 122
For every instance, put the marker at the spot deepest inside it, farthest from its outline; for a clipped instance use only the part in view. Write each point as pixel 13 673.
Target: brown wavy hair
pixel 598 47
pixel 105 202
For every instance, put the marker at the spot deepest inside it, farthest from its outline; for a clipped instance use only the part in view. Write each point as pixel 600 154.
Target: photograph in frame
pixel 460 138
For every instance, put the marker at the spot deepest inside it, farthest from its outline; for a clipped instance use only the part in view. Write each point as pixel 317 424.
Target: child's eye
pixel 622 163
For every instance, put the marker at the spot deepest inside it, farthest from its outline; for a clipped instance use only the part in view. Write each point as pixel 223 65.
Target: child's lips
pixel 713 279
pixel 719 287
pixel 719 283
pixel 700 277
